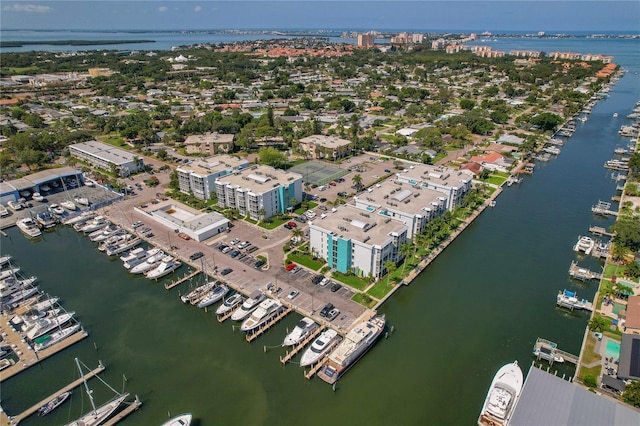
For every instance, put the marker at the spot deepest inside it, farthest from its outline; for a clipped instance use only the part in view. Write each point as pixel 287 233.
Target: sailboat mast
pixel 86 386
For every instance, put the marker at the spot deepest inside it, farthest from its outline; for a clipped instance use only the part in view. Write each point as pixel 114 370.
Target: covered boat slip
pixel 550 400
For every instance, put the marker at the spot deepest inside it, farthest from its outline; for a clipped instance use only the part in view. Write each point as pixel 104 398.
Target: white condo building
pixel 352 240
pixel 107 157
pixel 199 177
pixel 259 192
pixel 453 184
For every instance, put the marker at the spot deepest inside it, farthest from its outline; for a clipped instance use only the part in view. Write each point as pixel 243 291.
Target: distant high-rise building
pixel 366 40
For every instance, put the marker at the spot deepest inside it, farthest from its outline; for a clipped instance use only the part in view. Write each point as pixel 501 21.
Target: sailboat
pixel 98 415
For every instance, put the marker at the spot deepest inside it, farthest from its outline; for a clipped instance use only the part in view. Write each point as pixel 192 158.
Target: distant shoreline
pixel 20 43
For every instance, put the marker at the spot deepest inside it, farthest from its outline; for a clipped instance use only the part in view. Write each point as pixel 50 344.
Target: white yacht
pixel 69 205
pixel 214 295
pixel 248 306
pixel 45 325
pixel 164 268
pixel 320 346
pixel 56 209
pixel 15 205
pixel 29 227
pixel 79 219
pixel 3 211
pixel 46 219
pixel 501 398
pixel 51 339
pixel 37 197
pixel 137 256
pixel 127 243
pixel 304 328
pixel 106 232
pixel 230 303
pixel 4 259
pixel 181 420
pixel 266 310
pixel 19 295
pixel 569 299
pixel 585 245
pixel 150 263
pixel 10 272
pixel 92 224
pixel 197 293
pixel 355 344
pixel 10 285
pixel 44 305
pixel 81 200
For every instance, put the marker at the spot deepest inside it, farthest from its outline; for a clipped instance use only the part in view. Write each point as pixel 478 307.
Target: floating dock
pixel 33 409
pixel 583 274
pixel 297 348
pixel 569 299
pixel 179 281
pixel 252 336
pixel 548 350
pixel 597 230
pixel 603 208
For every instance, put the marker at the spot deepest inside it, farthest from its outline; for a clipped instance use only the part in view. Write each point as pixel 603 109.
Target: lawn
pixel 364 300
pixel 611 269
pixel 495 180
pixel 305 260
pixel 350 280
pixel 380 289
pixel 590 355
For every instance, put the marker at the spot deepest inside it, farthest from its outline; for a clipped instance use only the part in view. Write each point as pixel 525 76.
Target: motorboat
pixel 355 344
pixel 304 328
pixel 4 259
pixel 45 304
pixel 197 293
pixel 10 285
pixel 150 263
pixel 48 340
pixel 37 197
pixel 104 233
pixel 214 295
pixel 266 310
pixel 181 420
pixel 164 268
pixel 82 218
pixel 19 296
pixel 81 200
pixel 137 256
pixel 248 306
pixel 115 240
pixel 502 396
pixel 53 404
pixel 15 205
pixel 31 316
pixel 128 243
pixel 98 222
pixel 569 299
pixel 585 245
pixel 98 415
pixel 46 219
pixel 4 212
pixel 45 188
pixel 547 353
pixel 230 303
pixel 45 325
pixel 56 209
pixel 29 227
pixel 69 205
pixel 319 348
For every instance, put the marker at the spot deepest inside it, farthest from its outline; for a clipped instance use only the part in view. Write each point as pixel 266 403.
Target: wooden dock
pixel 312 372
pixel 297 348
pixel 583 274
pixel 223 317
pixel 604 209
pixel 179 281
pixel 597 230
pixel 133 406
pixel 252 336
pixel 33 409
pixel 550 352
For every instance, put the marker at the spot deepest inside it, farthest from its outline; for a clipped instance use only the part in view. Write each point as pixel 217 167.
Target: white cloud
pixel 163 9
pixel 197 9
pixel 30 8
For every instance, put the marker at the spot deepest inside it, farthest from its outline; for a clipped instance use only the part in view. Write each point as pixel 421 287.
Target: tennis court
pixel 318 173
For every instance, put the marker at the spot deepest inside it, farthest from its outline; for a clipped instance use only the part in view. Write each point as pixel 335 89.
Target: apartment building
pixel 198 178
pixel 209 143
pixel 325 147
pixel 107 157
pixel 452 184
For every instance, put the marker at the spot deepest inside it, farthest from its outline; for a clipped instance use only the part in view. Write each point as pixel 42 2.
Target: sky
pixel 422 15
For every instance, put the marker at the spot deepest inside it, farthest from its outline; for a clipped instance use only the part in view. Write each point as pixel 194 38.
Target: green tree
pixel 357 180
pixel 390 266
pixel 632 270
pixel 598 323
pixel 631 394
pixel 272 157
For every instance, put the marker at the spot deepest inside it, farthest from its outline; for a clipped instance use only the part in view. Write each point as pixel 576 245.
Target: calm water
pixel 481 304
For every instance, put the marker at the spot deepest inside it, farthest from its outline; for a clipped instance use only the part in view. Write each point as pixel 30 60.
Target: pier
pixel 33 409
pixel 297 348
pixel 252 336
pixel 583 274
pixel 223 317
pixel 548 350
pixel 133 406
pixel 318 366
pixel 597 230
pixel 179 281
pixel 603 208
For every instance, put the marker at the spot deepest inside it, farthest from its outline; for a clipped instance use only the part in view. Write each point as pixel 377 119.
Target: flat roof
pixel 187 219
pixel 400 197
pixel 259 179
pixel 212 165
pixel 629 364
pixel 105 152
pixel 438 175
pixel 36 179
pixel 331 142
pixel 209 138
pixel 552 401
pixel 352 223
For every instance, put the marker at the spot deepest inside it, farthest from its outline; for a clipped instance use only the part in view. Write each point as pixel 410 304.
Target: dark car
pixel 197 255
pixel 301 219
pixel 323 208
pixel 222 247
pixel 336 287
pixel 235 253
pixel 287 226
pixel 226 271
pixel 259 264
pixel 342 194
pixel 326 309
pixel 317 279
pixel 323 200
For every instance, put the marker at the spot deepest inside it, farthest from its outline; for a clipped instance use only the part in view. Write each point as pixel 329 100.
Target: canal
pixel 481 304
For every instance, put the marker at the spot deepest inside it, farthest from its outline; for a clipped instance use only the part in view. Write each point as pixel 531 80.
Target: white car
pixel 235 241
pixel 137 224
pixel 310 214
pixel 243 244
pixel 293 294
pixel 325 281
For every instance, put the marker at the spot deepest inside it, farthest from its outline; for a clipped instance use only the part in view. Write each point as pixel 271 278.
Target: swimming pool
pixel 613 349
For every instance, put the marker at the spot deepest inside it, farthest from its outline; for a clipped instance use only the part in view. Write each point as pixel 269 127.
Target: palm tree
pixel 293 202
pixel 390 266
pixel 261 213
pixel 357 180
pixel 405 249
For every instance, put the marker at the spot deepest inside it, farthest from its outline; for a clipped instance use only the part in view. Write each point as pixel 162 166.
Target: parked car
pixel 222 247
pixel 332 183
pixel 333 314
pixel 227 249
pixel 235 253
pixel 137 224
pixel 197 255
pixel 252 249
pixel 287 226
pixel 336 287
pixel 259 264
pixel 226 271
pixel 324 281
pixel 244 244
pixel 326 309
pixel 317 279
pixel 293 294
pixel 235 241
pixel 301 219
pixel 323 208
pixel 342 194
pixel 292 224
pixel 290 266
